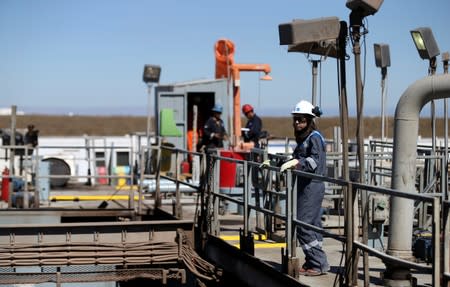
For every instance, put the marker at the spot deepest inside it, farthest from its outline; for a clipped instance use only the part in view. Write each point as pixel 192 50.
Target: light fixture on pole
pixel 316 36
pixel 400 233
pixel 445 60
pixel 359 10
pixel 382 60
pixel 425 43
pixel 382 55
pixel 428 50
pixel 150 76
pixel 364 7
pixel 426 46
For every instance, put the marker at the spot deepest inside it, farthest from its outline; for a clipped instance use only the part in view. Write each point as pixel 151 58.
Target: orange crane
pixel 227 68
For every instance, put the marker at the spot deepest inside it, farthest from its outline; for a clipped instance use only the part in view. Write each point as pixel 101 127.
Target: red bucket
pixel 228 169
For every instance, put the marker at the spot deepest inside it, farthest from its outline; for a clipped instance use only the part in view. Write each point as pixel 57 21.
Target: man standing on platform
pixel 214 132
pixel 252 130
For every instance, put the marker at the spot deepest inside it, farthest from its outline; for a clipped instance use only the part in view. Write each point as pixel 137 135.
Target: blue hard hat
pixel 217 108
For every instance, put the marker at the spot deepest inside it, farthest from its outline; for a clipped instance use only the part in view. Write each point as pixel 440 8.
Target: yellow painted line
pixel 127 187
pixel 265 245
pixel 236 237
pixel 260 245
pixel 90 197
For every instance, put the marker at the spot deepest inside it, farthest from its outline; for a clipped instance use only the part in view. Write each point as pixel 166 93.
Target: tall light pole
pixel 359 10
pixel 382 60
pixel 428 50
pixel 314 82
pixel 400 231
pixel 151 76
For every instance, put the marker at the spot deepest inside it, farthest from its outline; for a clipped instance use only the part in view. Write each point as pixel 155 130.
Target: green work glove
pixel 289 164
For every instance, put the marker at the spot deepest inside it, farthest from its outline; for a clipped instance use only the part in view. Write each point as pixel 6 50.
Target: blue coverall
pixel 311 154
pixel 213 133
pixel 254 126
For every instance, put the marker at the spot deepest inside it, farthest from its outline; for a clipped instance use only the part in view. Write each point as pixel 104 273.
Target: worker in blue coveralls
pixel 309 156
pixel 252 130
pixel 214 132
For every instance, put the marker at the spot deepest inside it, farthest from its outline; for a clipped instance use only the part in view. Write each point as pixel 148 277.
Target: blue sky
pixel 87 56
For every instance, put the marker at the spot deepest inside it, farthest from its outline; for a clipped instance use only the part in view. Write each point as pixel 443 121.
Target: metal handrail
pixel 290 220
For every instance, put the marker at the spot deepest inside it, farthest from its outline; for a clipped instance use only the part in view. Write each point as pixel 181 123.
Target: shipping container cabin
pixel 174 108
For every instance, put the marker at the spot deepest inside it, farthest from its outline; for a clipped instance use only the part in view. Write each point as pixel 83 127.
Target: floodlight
pixel 303 31
pixel 382 56
pixel 316 36
pixel 151 74
pixel 425 43
pixel 365 7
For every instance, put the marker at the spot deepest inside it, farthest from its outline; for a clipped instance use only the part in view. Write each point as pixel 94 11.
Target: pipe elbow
pixel 421 92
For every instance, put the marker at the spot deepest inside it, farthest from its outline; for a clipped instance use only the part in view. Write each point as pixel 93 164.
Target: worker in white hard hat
pixel 309 156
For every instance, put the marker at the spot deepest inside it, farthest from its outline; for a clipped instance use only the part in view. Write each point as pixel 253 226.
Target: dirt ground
pixel 279 127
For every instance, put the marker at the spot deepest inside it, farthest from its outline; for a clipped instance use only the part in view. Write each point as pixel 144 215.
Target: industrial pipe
pixel 224 52
pixel 227 68
pixel 406 129
pixel 236 70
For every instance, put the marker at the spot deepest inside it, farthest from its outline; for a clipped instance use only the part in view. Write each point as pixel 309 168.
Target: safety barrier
pixel 264 188
pixel 352 192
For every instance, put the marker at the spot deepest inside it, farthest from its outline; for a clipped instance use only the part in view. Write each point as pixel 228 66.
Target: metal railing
pixel 273 188
pixel 285 187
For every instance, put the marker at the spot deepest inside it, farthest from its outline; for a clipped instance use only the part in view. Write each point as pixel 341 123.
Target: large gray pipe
pixel 406 131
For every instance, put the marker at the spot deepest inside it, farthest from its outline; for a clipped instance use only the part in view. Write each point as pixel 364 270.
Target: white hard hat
pixel 303 107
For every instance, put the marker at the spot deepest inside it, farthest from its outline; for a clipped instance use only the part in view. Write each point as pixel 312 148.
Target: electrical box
pixel 378 209
pixel 43 182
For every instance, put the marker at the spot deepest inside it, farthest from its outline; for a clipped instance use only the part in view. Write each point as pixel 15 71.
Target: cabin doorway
pixel 204 102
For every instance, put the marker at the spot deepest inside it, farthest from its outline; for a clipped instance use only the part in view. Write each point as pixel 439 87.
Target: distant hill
pixel 54 125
